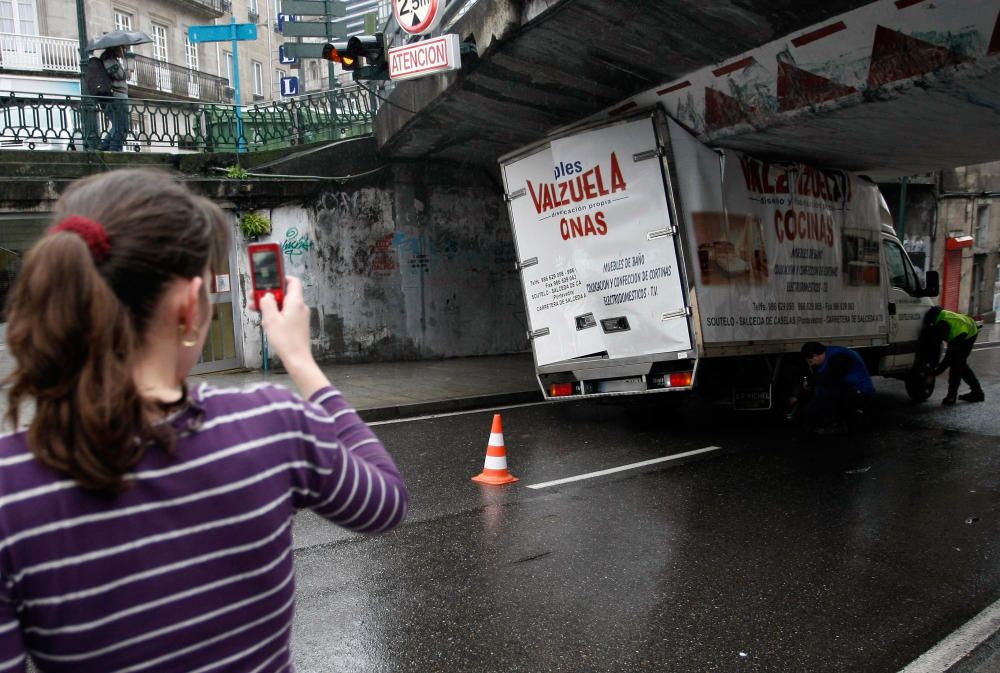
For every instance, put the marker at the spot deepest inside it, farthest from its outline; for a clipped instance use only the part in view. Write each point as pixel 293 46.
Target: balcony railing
pixel 148 73
pixel 36 121
pixel 39 53
pixel 214 8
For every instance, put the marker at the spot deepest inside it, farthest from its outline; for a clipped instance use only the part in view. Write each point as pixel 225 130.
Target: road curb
pixel 399 411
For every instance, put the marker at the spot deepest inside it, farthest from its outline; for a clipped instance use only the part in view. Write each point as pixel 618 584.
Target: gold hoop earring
pixel 188 343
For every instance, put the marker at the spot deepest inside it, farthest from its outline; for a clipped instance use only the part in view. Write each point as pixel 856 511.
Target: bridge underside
pixel 892 87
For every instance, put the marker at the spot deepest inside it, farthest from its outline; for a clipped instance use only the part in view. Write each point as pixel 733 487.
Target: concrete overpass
pixel 892 87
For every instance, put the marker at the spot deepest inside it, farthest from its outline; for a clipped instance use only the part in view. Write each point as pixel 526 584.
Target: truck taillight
pixel 680 379
pixel 561 389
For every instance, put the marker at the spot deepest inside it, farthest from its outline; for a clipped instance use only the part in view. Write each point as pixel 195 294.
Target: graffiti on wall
pixel 296 243
pixel 439 257
pixel 340 204
pixel 418 253
pixel 383 259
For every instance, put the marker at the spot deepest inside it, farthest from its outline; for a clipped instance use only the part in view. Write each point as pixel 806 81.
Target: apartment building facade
pixel 951 224
pixel 39 47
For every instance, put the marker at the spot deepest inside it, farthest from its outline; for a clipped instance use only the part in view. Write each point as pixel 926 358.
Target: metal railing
pixel 216 7
pixel 38 52
pixel 35 121
pixel 154 75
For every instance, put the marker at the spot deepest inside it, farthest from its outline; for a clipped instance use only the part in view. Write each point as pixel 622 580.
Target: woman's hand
pixel 287 332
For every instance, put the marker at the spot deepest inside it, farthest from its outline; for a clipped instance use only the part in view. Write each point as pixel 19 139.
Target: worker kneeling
pixel 842 389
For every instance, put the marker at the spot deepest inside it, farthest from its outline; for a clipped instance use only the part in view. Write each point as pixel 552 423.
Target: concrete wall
pixel 409 261
pixel 417 265
pixel 969 204
pixel 949 203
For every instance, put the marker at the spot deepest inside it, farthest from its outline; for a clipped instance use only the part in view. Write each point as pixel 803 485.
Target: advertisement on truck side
pixel 595 243
pixel 779 251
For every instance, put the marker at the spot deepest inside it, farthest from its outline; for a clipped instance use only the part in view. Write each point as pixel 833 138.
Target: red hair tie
pixel 91 232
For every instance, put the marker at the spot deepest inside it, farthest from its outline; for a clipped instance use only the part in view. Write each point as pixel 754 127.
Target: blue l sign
pixel 282 18
pixel 289 86
pixel 284 58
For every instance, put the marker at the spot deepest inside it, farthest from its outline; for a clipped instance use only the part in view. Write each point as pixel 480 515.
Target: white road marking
pixel 632 466
pixel 959 644
pixel 463 412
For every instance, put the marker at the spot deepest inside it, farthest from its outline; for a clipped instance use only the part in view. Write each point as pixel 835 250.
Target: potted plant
pixel 253 225
pixel 237 172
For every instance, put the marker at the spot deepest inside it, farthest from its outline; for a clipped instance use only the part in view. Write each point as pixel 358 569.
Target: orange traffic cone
pixel 495 470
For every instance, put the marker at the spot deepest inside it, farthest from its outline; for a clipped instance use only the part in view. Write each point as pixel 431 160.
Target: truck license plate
pixel 621 385
pixel 752 398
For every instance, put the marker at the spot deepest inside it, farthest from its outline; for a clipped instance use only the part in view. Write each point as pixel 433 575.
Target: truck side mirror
pixel 932 284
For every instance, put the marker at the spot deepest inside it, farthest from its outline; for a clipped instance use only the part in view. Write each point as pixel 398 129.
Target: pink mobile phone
pixel 266 272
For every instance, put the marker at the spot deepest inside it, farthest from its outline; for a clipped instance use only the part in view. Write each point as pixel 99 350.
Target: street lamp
pixel 81 29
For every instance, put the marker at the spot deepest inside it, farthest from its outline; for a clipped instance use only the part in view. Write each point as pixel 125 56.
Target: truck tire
pixel 920 382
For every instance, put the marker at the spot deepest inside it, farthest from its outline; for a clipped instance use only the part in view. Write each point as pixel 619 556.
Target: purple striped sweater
pixel 191 569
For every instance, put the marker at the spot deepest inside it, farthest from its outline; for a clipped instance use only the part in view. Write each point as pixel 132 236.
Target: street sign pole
pixel 234 32
pixel 328 28
pixel 330 67
pixel 241 142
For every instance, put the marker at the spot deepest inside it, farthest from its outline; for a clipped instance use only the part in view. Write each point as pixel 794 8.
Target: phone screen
pixel 265 270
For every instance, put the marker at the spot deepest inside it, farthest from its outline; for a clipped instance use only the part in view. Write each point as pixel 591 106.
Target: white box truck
pixel 651 263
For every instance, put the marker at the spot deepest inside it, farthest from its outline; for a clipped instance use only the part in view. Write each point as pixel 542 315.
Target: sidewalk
pixel 387 390
pixel 988 333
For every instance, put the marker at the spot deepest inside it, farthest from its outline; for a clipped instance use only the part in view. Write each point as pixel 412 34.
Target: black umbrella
pixel 118 38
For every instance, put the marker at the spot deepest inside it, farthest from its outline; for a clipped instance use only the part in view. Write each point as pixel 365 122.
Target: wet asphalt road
pixel 771 554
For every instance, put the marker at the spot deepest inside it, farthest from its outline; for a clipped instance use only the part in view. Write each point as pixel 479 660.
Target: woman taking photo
pixel 145 526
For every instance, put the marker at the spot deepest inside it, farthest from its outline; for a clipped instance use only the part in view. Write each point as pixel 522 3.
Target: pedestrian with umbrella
pixel 115 106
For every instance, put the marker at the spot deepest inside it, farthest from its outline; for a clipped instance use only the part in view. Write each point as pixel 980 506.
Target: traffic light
pixel 349 53
pixel 339 52
pixel 371 47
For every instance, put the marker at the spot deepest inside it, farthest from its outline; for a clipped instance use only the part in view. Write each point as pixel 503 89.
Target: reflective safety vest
pixel 958 324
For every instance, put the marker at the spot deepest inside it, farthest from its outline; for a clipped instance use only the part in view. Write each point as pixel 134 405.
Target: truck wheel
pixel 920 382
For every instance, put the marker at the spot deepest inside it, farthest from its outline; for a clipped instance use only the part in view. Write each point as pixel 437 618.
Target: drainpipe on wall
pixel 901 226
pixel 81 31
pixel 270 52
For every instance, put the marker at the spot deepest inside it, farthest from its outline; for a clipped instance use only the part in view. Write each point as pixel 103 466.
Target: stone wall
pixel 400 261
pixel 418 264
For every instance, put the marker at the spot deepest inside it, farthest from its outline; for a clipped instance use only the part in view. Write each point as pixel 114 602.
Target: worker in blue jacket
pixel 959 331
pixel 842 387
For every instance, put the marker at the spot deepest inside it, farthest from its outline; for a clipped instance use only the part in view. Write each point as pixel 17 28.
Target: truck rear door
pixel 597 248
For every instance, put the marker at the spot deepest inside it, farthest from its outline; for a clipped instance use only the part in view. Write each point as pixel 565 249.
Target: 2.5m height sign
pixel 418 17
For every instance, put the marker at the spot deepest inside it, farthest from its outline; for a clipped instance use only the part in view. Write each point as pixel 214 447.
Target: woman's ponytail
pixel 74 346
pixel 81 308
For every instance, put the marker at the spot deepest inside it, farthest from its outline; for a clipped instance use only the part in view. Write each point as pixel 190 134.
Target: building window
pixel 982 226
pixel 276 87
pixel 18 16
pixel 161 54
pixel 191 57
pixel 160 43
pixel 229 67
pixel 258 79
pixel 123 20
pixel 190 53
pixel 252 13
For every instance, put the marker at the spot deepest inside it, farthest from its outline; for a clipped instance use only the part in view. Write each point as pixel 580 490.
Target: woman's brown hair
pixel 76 324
